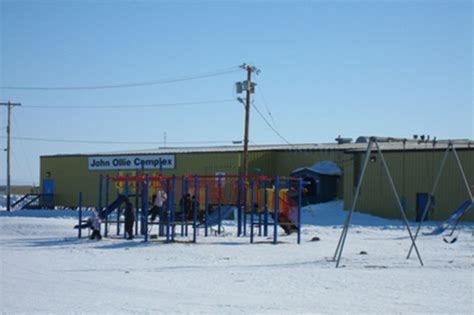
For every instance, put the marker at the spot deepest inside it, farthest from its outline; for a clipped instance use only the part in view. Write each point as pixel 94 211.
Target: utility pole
pixel 9 108
pixel 249 87
pixel 247 121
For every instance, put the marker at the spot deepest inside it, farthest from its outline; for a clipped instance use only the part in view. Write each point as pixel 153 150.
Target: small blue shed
pixel 320 181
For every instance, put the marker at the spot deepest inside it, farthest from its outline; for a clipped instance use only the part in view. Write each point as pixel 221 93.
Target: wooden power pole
pixel 247 121
pixel 249 87
pixel 9 106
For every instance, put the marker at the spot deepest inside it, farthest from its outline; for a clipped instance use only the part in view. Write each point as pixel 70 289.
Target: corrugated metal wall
pixel 413 172
pixel 71 174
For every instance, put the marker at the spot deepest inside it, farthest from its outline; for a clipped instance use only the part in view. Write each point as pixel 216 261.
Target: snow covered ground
pixel 46 269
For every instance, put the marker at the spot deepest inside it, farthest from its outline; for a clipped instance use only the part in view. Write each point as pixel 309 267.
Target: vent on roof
pixel 341 140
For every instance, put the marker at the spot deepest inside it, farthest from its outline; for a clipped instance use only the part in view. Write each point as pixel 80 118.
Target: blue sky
pixel 389 68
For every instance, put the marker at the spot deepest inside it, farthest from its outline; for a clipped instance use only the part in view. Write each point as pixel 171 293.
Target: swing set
pixel 454 219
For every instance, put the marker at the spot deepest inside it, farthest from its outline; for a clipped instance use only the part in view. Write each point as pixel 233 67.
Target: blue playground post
pixel 196 198
pixel 127 188
pixel 239 206
pixel 107 184
pixel 99 206
pixel 168 209
pixel 172 215
pixel 259 213
pixel 219 227
pixel 80 215
pixel 181 203
pixel 137 214
pixel 161 225
pixel 127 193
pixel 142 218
pixel 300 189
pixel 145 205
pixel 276 201
pixel 252 207
pixel 184 214
pixel 265 208
pixel 244 223
pixel 118 209
pixel 207 210
pixel 100 193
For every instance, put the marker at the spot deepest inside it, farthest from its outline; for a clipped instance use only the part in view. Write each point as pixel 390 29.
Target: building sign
pixel 131 162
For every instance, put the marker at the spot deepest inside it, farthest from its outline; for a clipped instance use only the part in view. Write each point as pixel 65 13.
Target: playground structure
pixel 258 204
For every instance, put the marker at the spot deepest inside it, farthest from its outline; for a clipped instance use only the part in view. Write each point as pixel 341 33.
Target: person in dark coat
pixel 129 220
pixel 185 205
pixel 191 208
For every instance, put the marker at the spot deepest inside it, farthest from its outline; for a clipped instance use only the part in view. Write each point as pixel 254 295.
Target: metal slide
pixel 213 218
pixel 113 206
pixel 463 208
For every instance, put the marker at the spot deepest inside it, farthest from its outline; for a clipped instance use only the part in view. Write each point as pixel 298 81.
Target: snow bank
pixel 333 214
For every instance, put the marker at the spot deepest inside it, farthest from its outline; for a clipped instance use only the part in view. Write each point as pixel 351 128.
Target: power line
pixel 130 105
pixel 116 142
pixel 27 162
pixel 266 105
pixel 127 85
pixel 269 125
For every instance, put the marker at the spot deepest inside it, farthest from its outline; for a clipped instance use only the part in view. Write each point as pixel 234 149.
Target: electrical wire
pixel 17 161
pixel 128 106
pixel 116 142
pixel 269 125
pixel 128 85
pixel 25 156
pixel 260 92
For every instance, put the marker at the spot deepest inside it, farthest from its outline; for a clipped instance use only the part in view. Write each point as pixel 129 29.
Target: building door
pixel 48 191
pixel 421 201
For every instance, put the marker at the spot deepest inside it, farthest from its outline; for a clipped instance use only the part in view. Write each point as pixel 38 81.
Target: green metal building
pixel 413 168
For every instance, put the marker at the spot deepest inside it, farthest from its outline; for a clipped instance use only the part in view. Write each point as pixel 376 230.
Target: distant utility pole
pixel 9 107
pixel 249 87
